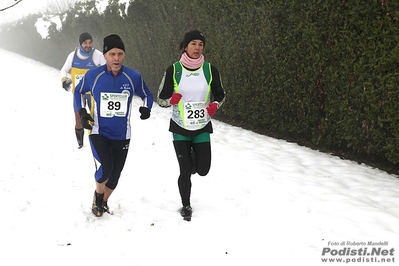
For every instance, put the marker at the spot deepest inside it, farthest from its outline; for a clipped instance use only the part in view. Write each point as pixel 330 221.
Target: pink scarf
pixel 191 63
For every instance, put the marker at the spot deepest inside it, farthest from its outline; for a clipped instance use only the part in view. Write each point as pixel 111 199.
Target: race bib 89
pixel 113 104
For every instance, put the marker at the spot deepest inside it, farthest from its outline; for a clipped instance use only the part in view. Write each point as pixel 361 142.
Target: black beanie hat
pixel 193 35
pixel 84 36
pixel 112 41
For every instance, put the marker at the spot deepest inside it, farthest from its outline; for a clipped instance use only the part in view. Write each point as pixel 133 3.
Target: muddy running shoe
pixel 186 212
pixel 98 202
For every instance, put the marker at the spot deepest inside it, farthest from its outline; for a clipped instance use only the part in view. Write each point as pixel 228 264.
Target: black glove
pixel 145 112
pixel 85 118
pixel 66 84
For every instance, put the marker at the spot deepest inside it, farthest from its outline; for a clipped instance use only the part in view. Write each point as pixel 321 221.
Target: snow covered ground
pixel 264 202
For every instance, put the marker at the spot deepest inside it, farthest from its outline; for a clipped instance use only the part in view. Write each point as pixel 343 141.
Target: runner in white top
pixel 78 62
pixel 193 88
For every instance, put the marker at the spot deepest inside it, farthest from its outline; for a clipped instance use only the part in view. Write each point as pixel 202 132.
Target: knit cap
pixel 84 36
pixel 193 35
pixel 113 41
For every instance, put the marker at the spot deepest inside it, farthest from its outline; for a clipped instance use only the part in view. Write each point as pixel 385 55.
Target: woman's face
pixel 194 49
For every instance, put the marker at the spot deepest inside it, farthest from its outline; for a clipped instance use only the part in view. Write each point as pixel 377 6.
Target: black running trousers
pixel 202 153
pixel 109 157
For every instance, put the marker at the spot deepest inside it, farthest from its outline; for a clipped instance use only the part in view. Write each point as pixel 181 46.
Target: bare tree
pixel 56 6
pixel 17 1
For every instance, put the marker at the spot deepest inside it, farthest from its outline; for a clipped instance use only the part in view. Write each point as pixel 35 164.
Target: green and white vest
pixel 195 88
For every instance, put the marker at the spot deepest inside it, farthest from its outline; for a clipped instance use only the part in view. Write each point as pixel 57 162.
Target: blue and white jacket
pixel 111 98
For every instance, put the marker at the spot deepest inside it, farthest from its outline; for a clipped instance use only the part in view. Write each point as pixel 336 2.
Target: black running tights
pixel 202 153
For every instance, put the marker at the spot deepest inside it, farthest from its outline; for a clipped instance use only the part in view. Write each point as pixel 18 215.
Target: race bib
pixel 78 77
pixel 113 104
pixel 195 113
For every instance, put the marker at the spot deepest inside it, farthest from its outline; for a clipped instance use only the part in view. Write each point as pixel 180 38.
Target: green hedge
pixel 320 71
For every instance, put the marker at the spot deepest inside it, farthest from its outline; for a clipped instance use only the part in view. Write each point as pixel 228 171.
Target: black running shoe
pixel 98 202
pixel 106 208
pixel 186 212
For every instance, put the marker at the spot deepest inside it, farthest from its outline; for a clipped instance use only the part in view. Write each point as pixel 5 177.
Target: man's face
pixel 87 45
pixel 114 58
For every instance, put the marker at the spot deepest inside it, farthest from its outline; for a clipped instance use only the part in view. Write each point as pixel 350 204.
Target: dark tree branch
pixel 11 5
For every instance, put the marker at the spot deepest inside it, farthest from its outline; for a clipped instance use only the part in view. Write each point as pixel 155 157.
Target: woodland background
pixel 323 74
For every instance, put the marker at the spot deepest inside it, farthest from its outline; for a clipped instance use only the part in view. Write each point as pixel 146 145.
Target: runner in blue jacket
pixel 112 88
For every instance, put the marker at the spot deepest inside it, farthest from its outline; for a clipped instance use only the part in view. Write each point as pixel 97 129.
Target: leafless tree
pixel 17 1
pixel 56 6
